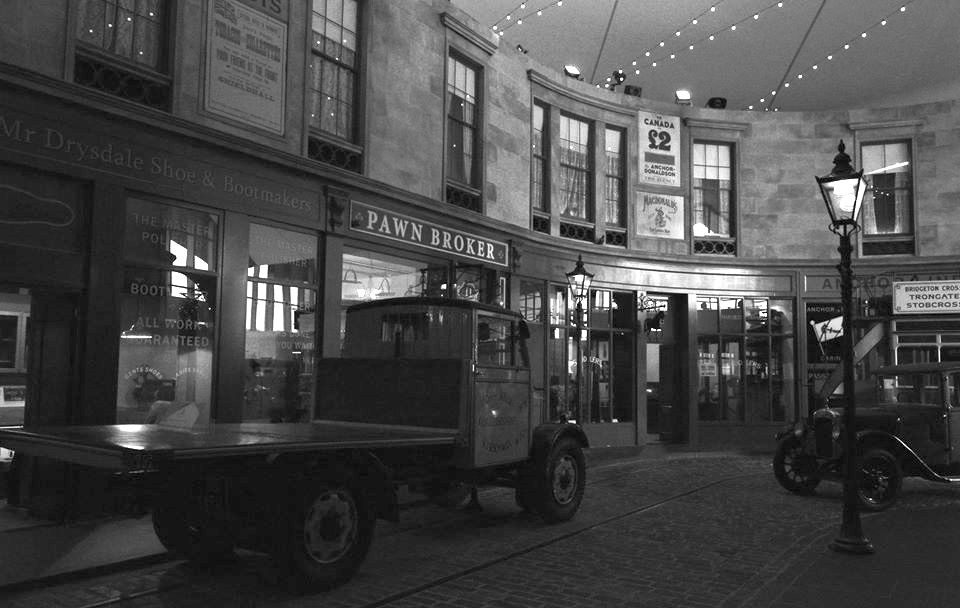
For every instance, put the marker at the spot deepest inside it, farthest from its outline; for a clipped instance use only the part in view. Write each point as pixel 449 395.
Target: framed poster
pixel 660 215
pixel 245 65
pixel 824 330
pixel 659 149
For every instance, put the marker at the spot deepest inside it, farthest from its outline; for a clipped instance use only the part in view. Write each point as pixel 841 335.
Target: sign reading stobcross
pixel 926 297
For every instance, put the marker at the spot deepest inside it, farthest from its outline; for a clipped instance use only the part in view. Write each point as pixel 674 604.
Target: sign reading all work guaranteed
pixel 926 297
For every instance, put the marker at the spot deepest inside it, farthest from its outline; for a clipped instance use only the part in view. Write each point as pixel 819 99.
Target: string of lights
pixel 672 55
pixel 511 19
pixel 834 54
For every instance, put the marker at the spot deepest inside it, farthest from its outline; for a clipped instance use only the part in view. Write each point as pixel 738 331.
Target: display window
pixel 746 361
pixel 281 322
pixel 167 315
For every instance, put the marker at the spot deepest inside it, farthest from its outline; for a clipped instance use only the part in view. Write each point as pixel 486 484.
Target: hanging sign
pixel 427 234
pixel 659 149
pixel 659 215
pixel 926 297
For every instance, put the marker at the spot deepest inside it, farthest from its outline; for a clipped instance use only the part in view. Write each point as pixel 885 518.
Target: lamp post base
pixel 856 545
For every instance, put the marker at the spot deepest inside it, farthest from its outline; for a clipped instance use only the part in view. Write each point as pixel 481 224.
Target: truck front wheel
pixel 560 489
pixel 190 535
pixel 329 531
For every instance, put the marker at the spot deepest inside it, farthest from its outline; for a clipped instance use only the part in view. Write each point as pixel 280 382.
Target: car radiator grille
pixel 823 433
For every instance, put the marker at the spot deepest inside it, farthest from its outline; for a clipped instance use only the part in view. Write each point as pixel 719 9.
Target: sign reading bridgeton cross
pixel 429 235
pixel 926 297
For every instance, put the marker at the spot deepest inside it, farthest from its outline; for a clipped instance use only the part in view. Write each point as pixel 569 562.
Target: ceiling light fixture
pixel 572 71
pixel 683 97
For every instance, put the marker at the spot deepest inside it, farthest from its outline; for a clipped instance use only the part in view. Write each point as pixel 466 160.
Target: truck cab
pixel 432 362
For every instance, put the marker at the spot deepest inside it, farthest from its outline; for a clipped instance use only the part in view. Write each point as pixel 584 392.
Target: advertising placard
pixel 659 149
pixel 824 330
pixel 246 57
pixel 660 215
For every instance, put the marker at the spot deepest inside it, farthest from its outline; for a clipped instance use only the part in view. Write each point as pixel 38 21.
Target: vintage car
pixel 911 427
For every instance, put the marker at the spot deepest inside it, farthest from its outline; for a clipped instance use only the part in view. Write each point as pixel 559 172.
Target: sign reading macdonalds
pixel 430 235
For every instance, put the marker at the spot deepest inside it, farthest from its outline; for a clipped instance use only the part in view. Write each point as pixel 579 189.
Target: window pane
pixel 166 235
pixel 165 368
pixel 887 207
pixel 131 29
pixel 712 188
pixel 574 168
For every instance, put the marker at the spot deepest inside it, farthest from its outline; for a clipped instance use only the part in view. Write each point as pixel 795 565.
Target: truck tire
pixel 559 490
pixel 189 536
pixel 328 533
pixel 880 480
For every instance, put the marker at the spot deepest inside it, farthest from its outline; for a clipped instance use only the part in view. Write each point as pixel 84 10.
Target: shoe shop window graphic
pixel 167 308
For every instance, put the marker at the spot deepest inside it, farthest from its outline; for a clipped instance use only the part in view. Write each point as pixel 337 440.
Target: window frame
pixel 476 176
pixel 153 84
pixel 353 137
pixel 905 240
pixel 589 171
pixel 716 244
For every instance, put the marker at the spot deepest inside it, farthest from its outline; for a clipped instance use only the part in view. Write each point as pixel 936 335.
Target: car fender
pixel 880 439
pixel 547 434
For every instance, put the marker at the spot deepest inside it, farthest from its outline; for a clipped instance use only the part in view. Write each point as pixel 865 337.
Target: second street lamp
pixel 843 192
pixel 579 280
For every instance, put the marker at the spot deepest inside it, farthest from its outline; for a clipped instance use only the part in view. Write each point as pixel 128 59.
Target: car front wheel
pixel 794 469
pixel 880 479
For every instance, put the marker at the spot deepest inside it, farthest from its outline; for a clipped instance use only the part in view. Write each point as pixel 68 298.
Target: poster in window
pixel 659 149
pixel 660 215
pixel 824 330
pixel 246 57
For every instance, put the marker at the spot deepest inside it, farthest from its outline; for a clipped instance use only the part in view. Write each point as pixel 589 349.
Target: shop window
pixel 281 320
pixel 713 199
pixel 122 49
pixel 13 327
pixel 464 135
pixel 746 359
pixel 887 214
pixel 607 377
pixel 333 82
pixel 168 312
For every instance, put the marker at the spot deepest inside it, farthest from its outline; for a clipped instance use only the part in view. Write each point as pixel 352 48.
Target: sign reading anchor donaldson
pixel 429 235
pixel 926 297
pixel 659 148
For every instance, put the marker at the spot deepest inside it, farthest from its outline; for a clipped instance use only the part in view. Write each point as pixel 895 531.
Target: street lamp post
pixel 579 280
pixel 843 192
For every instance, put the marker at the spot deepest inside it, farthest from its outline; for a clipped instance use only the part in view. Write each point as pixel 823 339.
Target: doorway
pixel 658 315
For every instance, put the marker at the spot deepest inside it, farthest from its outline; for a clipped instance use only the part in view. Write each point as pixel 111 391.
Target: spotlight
pixel 572 71
pixel 619 76
pixel 520 49
pixel 682 97
pixel 632 90
pixel 717 103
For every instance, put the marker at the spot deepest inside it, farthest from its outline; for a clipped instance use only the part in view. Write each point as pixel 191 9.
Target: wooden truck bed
pixel 140 447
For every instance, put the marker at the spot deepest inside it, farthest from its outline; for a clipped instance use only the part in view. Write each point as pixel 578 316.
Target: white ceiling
pixel 914 57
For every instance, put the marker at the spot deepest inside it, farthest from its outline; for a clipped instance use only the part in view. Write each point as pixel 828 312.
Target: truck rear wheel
pixel 562 479
pixel 328 534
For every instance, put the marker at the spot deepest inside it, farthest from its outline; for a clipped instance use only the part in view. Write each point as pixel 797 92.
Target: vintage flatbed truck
pixel 432 394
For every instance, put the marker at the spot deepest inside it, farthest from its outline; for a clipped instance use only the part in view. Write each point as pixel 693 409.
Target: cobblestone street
pixel 686 529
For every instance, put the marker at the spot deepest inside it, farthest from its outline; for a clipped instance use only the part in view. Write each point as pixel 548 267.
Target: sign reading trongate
pixel 926 297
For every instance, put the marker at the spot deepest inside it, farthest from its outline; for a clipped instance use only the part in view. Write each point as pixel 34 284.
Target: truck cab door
pixel 501 393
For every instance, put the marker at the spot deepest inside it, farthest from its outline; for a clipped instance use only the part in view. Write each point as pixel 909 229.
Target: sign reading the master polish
pixel 398 227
